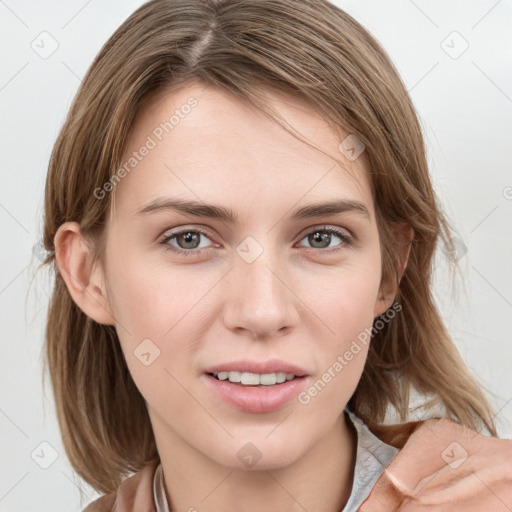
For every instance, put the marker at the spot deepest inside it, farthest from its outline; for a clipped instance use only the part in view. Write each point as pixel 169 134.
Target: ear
pixel 84 281
pixel 403 235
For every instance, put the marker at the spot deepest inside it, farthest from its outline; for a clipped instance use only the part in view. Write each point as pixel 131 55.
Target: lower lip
pixel 256 399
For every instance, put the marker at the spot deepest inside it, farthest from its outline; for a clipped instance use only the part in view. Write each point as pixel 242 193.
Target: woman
pixel 242 223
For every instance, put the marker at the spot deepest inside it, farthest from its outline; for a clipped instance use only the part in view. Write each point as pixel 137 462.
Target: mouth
pixel 248 379
pixel 255 392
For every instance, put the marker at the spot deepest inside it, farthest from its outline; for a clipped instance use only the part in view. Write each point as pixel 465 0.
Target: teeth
pixel 255 379
pixel 250 378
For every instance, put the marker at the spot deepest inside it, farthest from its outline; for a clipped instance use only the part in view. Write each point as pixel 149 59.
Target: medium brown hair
pixel 309 49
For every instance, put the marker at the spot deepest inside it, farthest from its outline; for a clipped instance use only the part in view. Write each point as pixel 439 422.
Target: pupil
pixel 189 239
pixel 319 237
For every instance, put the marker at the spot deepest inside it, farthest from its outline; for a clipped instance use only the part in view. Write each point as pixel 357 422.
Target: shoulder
pixel 135 494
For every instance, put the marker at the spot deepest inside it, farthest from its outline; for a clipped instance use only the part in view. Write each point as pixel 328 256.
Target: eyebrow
pixel 198 209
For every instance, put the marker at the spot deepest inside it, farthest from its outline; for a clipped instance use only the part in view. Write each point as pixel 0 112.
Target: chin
pixel 259 453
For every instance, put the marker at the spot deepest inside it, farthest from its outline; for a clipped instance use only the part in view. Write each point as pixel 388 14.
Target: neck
pixel 320 480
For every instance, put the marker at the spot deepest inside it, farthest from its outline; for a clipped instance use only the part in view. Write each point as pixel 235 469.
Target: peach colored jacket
pixel 135 494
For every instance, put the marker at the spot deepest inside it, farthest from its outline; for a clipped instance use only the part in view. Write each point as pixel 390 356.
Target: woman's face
pixel 267 289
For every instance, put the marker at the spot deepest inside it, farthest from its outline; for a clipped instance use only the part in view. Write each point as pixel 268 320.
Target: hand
pixel 446 467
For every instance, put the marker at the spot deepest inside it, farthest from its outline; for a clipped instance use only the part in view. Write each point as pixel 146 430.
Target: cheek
pixel 157 310
pixel 151 309
pixel 347 315
pixel 345 298
pixel 345 304
pixel 151 299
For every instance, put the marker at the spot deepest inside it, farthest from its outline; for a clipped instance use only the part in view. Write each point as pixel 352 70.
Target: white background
pixel 465 107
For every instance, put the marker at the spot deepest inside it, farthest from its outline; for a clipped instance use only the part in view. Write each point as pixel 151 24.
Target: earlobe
pixel 84 281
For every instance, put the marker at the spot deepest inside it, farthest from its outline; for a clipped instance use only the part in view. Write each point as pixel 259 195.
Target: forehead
pixel 201 143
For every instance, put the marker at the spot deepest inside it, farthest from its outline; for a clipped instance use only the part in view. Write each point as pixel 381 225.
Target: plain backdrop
pixel 455 59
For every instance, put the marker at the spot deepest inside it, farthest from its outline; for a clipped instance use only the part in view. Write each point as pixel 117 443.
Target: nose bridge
pixel 259 299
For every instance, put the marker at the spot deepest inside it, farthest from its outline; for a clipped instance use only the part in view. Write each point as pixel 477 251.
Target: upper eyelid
pixel 170 233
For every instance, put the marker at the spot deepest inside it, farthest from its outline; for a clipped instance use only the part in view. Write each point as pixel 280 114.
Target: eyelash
pixel 345 241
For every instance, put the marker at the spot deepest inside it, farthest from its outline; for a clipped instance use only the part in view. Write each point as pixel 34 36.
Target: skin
pixel 296 301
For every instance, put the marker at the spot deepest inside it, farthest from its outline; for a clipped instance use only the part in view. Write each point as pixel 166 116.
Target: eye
pixel 187 240
pixel 321 238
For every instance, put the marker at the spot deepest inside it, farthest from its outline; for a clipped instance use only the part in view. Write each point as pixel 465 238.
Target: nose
pixel 261 301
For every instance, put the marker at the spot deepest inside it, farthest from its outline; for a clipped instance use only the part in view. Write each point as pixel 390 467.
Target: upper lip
pixel 268 366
